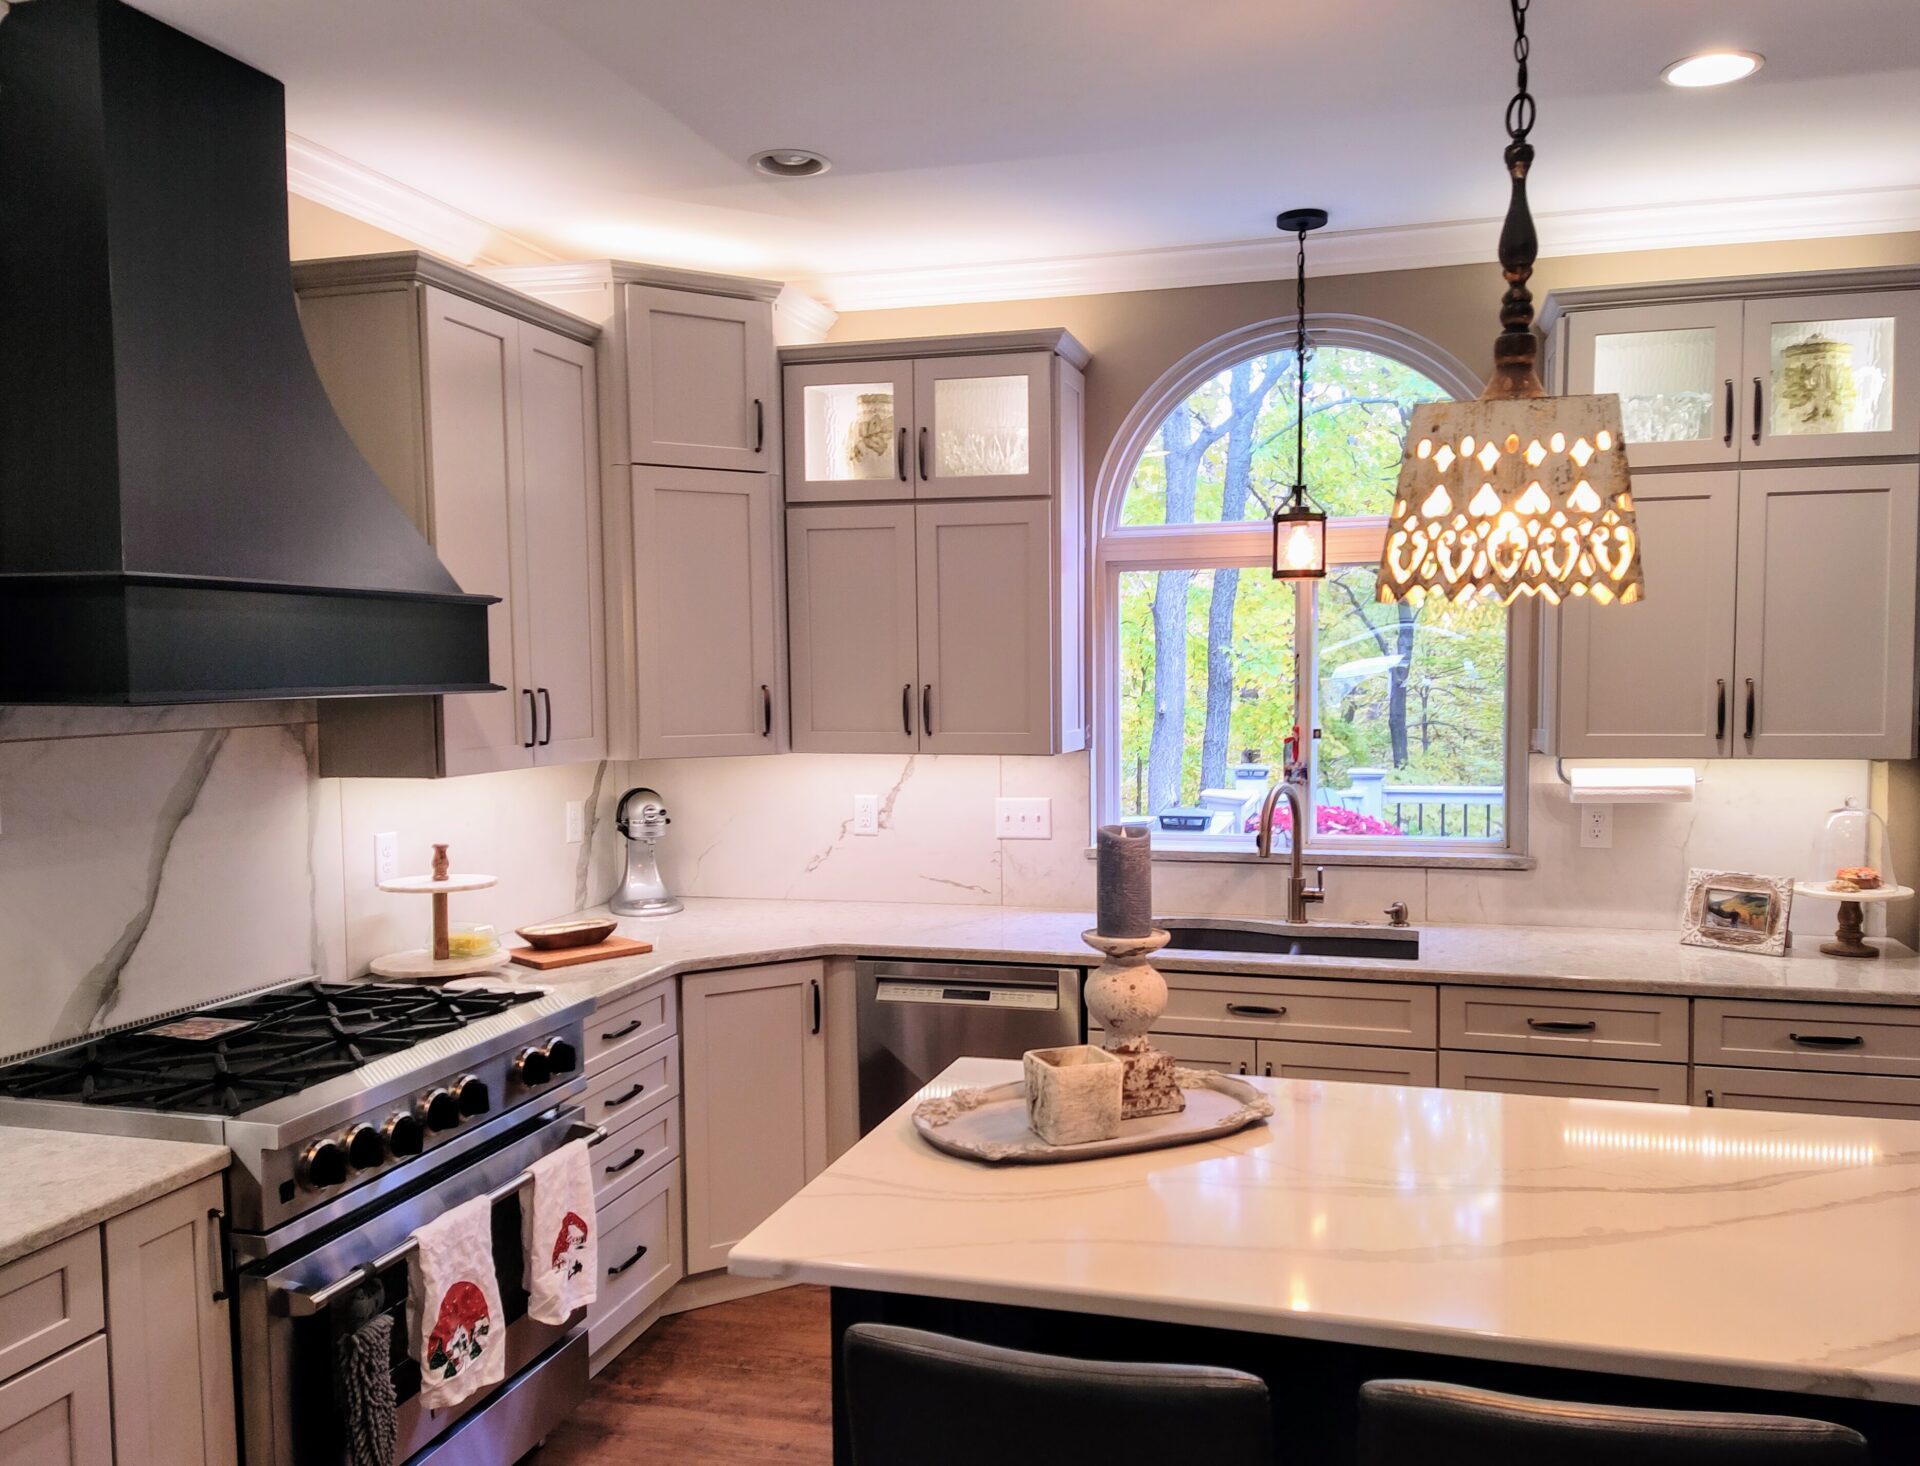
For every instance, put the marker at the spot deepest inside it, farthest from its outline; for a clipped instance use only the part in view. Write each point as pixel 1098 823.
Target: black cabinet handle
pixel 533 718
pixel 1720 709
pixel 1749 732
pixel 1243 1067
pixel 216 1257
pixel 1728 437
pixel 1562 1025
pixel 900 455
pixel 1255 1010
pixel 633 1027
pixel 620 1267
pixel 1710 1099
pixel 759 425
pixel 1268 1071
pixel 632 1094
pixel 906 708
pixel 766 712
pixel 1828 1040
pixel 618 1166
pixel 1756 410
pixel 926 709
pixel 814 983
pixel 923 453
pixel 546 711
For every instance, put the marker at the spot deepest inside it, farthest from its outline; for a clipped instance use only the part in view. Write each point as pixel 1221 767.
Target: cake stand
pixel 1846 936
pixel 437 961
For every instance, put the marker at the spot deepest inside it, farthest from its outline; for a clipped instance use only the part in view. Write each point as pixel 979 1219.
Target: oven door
pixel 289 1397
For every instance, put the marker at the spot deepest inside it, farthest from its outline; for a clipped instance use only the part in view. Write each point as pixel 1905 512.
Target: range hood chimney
pixel 182 517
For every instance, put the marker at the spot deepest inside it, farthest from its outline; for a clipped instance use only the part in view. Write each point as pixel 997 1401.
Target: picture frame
pixel 1737 911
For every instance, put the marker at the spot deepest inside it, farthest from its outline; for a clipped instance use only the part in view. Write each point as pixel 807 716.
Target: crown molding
pixel 799 319
pixel 318 173
pixel 1421 246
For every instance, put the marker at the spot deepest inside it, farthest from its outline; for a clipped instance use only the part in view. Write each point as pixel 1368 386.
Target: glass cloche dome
pixel 1852 852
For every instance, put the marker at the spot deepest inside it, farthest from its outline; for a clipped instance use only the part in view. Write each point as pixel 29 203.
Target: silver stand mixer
pixel 642 818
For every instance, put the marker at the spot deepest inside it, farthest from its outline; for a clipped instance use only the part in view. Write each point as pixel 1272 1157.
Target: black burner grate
pixel 293 1038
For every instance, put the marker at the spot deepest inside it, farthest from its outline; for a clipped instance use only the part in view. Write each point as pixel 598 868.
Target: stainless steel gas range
pixel 355 1112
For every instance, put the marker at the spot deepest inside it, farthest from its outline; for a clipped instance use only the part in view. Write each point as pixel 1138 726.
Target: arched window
pixel 1210 668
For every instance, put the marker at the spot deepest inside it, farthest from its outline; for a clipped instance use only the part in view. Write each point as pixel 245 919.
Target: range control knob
pixel 406 1136
pixel 561 1056
pixel 531 1068
pixel 323 1164
pixel 365 1149
pixel 471 1092
pixel 439 1109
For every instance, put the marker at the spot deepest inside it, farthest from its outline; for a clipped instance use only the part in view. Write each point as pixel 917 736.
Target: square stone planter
pixel 1073 1093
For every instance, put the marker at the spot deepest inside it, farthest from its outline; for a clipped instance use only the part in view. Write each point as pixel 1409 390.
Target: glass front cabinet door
pixel 1832 376
pixel 1676 370
pixel 850 432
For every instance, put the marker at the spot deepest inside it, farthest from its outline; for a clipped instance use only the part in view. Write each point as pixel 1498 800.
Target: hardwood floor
pixel 736 1384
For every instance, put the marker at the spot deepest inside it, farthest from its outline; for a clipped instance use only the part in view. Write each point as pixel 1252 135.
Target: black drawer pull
pixel 633 1027
pixel 1828 1040
pixel 618 1166
pixel 1255 1010
pixel 620 1267
pixel 1562 1025
pixel 632 1094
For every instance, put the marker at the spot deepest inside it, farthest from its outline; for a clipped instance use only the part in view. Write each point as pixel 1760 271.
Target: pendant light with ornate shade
pixel 1300 530
pixel 1515 493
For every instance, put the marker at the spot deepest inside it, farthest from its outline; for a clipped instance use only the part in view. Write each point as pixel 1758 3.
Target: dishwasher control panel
pixel 994 995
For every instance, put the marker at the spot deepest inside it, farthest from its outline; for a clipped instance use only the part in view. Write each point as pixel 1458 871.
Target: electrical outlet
pixel 1596 826
pixel 386 857
pixel 1023 819
pixel 866 814
pixel 576 821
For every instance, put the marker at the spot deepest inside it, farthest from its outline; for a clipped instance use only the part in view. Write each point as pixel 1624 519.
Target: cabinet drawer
pixel 1227 1055
pixel 1348 1063
pixel 1398 1015
pixel 1543 1021
pixel 1611 1079
pixel 639 1253
pixel 1834 1037
pixel 48 1300
pixel 59 1411
pixel 623 1092
pixel 631 1023
pixel 1808 1094
pixel 634 1152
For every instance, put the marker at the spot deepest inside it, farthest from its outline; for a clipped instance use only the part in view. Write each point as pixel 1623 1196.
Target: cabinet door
pixel 565 618
pixel 1806 1094
pixel 985 590
pixel 700 379
pixel 755 1078
pixel 1674 368
pixel 851 621
pixel 704 589
pixel 1613 1079
pixel 1824 641
pixel 475 456
pixel 1655 679
pixel 57 1414
pixel 850 431
pixel 983 426
pixel 168 1331
pixel 1347 1063
pixel 1832 376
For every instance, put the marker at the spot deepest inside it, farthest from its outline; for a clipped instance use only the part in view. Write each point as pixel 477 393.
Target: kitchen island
pixel 1561 1247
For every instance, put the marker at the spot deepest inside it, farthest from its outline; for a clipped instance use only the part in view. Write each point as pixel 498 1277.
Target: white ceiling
pixel 994 146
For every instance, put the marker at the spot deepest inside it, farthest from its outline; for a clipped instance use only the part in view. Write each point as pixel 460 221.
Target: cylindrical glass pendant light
pixel 1300 530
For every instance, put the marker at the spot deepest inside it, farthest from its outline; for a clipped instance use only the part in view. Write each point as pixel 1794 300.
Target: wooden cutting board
pixel 542 961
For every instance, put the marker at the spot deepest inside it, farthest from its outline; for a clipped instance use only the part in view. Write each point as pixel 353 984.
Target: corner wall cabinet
pixel 1779 618
pixel 478 409
pixel 934 545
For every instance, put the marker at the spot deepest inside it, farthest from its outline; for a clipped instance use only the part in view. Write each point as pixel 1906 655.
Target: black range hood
pixel 182 516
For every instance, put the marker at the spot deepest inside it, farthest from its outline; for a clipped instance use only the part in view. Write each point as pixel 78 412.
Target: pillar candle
pixel 1125 878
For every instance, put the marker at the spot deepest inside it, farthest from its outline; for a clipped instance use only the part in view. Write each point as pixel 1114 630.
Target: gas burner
pixel 244 1054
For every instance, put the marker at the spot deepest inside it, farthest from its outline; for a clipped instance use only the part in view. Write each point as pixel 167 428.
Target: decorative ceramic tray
pixel 991 1124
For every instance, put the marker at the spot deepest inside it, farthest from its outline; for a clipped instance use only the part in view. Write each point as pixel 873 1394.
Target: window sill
pixel 1428 859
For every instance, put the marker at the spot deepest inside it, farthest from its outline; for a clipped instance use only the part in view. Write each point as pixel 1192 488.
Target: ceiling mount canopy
pixel 1299 529
pixel 1515 493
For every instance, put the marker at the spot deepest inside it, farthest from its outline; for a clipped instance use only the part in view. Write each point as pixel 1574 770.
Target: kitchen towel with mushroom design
pixel 558 1227
pixel 455 1324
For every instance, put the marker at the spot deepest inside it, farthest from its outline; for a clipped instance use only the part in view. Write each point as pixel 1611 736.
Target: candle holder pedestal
pixel 1126 994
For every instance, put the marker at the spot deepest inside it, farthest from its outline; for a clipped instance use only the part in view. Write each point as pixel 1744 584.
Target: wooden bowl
pixel 583 933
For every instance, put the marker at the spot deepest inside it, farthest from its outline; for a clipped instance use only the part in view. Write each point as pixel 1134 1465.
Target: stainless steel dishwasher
pixel 915 1018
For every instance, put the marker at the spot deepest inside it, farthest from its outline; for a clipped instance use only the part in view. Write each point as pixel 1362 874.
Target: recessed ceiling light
pixel 790 163
pixel 1712 68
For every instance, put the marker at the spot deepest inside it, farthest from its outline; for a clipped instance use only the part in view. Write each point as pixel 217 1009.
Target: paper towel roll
pixel 1631 786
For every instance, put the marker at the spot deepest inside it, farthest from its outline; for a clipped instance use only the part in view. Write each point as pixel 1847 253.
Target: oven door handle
pixel 305 1302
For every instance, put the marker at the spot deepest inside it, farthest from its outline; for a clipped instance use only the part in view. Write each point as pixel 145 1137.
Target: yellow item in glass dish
pixel 475 940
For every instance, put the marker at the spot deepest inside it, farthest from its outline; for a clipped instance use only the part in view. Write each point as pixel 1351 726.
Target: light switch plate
pixel 576 821
pixel 866 814
pixel 1023 819
pixel 1596 826
pixel 386 856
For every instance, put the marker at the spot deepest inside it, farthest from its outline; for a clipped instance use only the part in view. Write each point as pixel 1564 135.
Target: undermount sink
pixel 1279 939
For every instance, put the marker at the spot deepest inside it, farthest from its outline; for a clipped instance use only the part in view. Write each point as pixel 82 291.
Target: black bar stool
pixel 1417 1423
pixel 920 1399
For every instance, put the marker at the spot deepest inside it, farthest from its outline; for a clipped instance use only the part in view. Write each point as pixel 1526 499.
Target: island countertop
pixel 1769 1251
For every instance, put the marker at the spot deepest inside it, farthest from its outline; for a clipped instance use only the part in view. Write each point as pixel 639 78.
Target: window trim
pixel 1119 548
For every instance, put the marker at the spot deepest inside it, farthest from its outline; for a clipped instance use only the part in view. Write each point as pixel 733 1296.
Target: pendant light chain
pixel 1520 111
pixel 1300 373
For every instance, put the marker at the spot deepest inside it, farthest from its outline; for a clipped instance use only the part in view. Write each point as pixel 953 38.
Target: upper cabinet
pixel 478 408
pixel 1833 376
pixel 700 380
pixel 1676 369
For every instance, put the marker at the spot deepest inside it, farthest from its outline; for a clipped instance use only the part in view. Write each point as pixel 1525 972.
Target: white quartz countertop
pixel 1730 1247
pixel 58 1183
pixel 723 933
